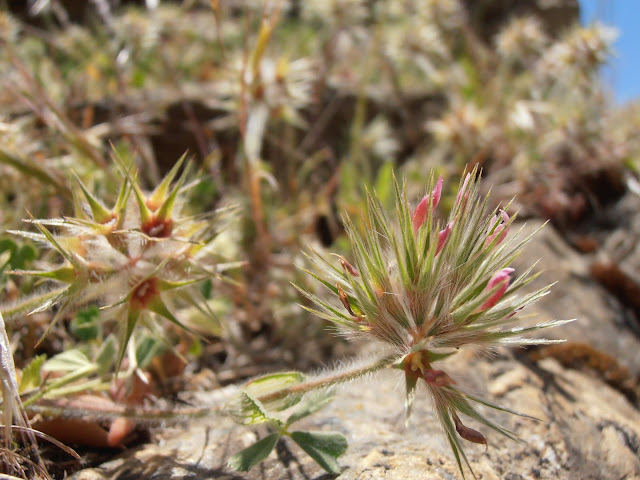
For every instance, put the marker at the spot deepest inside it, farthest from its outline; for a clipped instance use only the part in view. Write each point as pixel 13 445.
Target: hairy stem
pixel 30 302
pixel 79 407
pixel 330 379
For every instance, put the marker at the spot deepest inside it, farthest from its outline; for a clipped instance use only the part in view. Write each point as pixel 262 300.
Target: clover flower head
pixel 428 288
pixel 135 259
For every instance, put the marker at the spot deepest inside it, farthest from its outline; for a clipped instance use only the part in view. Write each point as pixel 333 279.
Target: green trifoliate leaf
pixel 259 397
pixel 243 461
pixel 31 377
pixel 269 384
pixel 311 403
pixel 323 447
pixel 247 410
pixel 68 361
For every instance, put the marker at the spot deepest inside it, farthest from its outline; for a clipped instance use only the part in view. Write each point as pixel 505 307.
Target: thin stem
pixel 61 382
pixel 76 407
pixel 330 380
pixel 63 407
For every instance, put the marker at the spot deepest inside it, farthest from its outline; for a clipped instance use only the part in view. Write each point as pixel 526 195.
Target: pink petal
pixel 420 213
pixel 501 278
pixel 500 231
pixel 437 192
pixel 443 235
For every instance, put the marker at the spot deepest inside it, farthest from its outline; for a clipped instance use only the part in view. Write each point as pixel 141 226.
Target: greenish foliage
pixel 86 324
pixel 297 116
pixel 31 374
pixel 249 457
pixel 323 447
pixel 265 400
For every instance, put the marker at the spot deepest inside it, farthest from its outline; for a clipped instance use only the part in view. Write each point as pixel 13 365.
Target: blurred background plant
pixel 291 110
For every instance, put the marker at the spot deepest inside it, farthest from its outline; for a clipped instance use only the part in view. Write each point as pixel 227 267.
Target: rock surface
pixel 588 430
pixel 600 317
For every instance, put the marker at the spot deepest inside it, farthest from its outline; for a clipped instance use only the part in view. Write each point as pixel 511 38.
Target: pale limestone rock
pixel 576 295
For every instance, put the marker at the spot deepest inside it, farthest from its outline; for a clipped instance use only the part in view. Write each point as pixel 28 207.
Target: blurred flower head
pixel 578 54
pixel 464 126
pixel 522 40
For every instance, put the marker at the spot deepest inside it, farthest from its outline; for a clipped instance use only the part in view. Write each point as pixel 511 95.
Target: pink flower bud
pixel 499 231
pixel 420 213
pixel 443 235
pixel 501 278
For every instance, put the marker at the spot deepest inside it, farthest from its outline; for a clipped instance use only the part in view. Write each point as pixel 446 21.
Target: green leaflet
pixel 31 378
pixel 246 410
pixel 68 361
pixel 311 403
pixel 323 447
pixel 244 460
pixel 268 384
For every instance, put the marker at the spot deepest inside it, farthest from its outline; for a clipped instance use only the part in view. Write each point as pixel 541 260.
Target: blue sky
pixel 623 75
